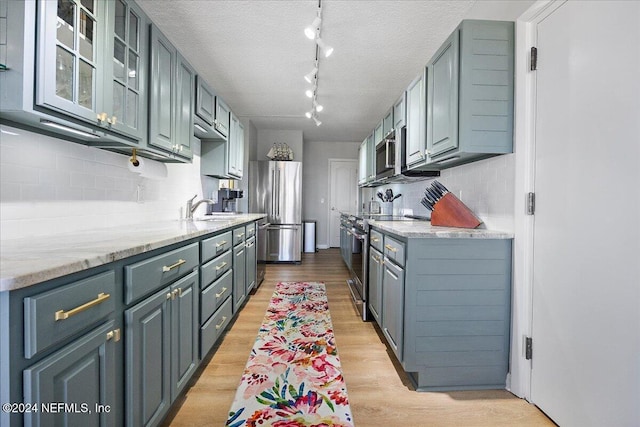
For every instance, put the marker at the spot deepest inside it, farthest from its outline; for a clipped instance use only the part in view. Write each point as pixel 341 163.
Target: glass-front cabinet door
pixel 70 46
pixel 125 91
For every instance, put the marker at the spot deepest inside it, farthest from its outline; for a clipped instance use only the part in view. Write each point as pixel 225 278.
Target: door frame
pixel 519 382
pixel 329 195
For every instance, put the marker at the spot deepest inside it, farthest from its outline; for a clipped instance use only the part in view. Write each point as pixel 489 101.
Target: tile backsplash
pixel 48 186
pixel 486 187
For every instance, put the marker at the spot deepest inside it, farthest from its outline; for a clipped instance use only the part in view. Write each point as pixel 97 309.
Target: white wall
pixel 51 186
pixel 315 181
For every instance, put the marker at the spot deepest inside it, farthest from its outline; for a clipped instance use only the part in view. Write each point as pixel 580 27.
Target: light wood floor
pixel 379 392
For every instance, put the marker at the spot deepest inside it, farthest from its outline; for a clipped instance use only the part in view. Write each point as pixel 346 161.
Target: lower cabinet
pixel 251 263
pixel 239 276
pixel 393 305
pixel 161 350
pixel 444 308
pixel 375 284
pixel 81 376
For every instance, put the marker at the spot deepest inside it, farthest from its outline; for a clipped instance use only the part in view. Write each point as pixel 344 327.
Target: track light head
pixel 312 75
pixel 312 30
pixel 326 49
pixel 309 114
pixel 315 119
pixel 310 92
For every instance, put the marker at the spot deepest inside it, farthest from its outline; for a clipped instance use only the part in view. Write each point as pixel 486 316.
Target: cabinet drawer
pixel 214 295
pixel 394 250
pixel 146 276
pixel 211 331
pixel 238 235
pixel 215 268
pixel 52 316
pixel 376 240
pixel 216 245
pixel 251 230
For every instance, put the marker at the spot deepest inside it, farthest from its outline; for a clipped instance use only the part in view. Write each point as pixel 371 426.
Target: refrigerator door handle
pixel 284 227
pixel 278 194
pixel 273 192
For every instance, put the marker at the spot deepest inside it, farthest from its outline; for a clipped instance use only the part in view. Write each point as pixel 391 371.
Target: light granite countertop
pixel 424 229
pixel 28 261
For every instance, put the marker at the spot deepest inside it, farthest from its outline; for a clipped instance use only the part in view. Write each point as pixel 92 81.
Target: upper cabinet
pixel 362 163
pixel 205 114
pixel 171 98
pixel 416 120
pixel 224 158
pixel 387 123
pixel 399 112
pixel 236 148
pixel 77 68
pixel 470 95
pixel 222 120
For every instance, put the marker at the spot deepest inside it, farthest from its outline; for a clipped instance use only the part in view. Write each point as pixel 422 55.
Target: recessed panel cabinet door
pixel 416 118
pixel 184 332
pixel 375 284
pixel 162 126
pixel 148 364
pixel 70 50
pixel 251 264
pixel 442 119
pixel 239 276
pixel 393 306
pixel 81 375
pixel 185 97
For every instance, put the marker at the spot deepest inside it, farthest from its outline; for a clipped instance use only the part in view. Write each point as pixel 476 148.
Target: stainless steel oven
pixel 386 157
pixel 359 258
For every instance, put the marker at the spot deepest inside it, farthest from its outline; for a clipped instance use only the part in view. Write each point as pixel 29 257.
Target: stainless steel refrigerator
pixel 275 188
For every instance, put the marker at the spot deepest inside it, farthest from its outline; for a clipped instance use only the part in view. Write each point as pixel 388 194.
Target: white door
pixel 586 267
pixel 343 194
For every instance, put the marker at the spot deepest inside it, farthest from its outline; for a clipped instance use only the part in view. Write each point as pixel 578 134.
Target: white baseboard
pixel 322 247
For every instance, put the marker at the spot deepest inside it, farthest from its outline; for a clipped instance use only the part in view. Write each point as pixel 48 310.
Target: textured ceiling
pixel 255 54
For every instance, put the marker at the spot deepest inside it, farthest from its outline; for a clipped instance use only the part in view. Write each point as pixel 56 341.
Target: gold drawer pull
pixel 221 292
pixel 391 248
pixel 224 242
pixel 62 315
pixel 221 266
pixel 114 335
pixel 375 239
pixel 171 267
pixel 240 235
pixel 224 318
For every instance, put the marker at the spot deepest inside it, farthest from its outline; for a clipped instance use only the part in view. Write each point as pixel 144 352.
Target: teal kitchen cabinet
pixel 375 284
pixel 223 117
pixel 224 158
pixel 378 133
pixel 171 98
pixel 362 163
pixel 387 123
pixel 371 159
pixel 446 309
pixel 162 340
pixel 470 94
pixel 393 303
pixel 77 69
pixel 239 269
pixel 81 375
pixel 399 112
pixel 416 120
pixel 205 112
pixel 251 263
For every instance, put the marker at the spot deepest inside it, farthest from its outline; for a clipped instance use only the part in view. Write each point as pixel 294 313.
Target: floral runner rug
pixel 293 377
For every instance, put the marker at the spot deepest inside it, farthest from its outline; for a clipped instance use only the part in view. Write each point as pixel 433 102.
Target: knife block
pixel 449 211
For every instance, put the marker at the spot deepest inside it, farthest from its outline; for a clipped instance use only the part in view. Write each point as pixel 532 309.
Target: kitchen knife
pixel 388 194
pixel 436 191
pixel 397 196
pixel 440 187
pixel 379 194
pixel 430 198
pixel 426 204
pixel 434 194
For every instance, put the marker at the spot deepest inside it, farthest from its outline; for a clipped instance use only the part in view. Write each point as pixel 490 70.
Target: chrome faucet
pixel 191 207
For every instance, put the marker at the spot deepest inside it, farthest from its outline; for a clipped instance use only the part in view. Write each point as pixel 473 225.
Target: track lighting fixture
pixel 312 30
pixel 326 49
pixel 312 75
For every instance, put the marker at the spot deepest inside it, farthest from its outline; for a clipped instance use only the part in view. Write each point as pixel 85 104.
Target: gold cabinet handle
pixel 391 248
pixel 221 244
pixel 376 258
pixel 102 117
pixel 112 121
pixel 221 292
pixel 241 235
pixel 171 267
pixel 224 318
pixel 375 239
pixel 221 266
pixel 62 315
pixel 114 335
pixel 169 295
